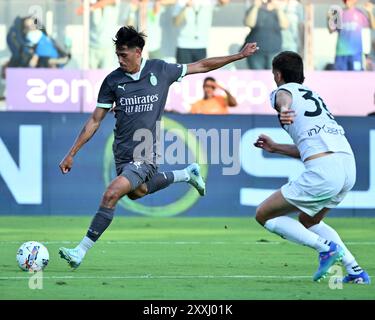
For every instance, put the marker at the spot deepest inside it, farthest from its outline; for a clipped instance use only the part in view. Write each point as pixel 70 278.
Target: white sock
pixel 84 245
pixel 181 175
pixel 293 230
pixel 324 230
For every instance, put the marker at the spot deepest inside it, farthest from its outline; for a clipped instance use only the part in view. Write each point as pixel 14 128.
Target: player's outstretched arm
pixel 266 143
pixel 209 64
pixel 89 129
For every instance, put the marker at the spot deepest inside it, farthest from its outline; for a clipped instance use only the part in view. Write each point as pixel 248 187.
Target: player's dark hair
pixel 128 36
pixel 208 79
pixel 290 64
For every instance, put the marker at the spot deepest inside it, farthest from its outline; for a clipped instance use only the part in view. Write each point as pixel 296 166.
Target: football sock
pixel 159 181
pixel 294 231
pixel 99 223
pixel 181 175
pixel 84 245
pixel 324 230
pixel 353 268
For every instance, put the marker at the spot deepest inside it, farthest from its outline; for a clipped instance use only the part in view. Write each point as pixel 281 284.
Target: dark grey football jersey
pixel 139 105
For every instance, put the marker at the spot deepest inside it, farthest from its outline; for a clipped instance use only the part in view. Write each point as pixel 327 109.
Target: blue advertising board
pixel 239 176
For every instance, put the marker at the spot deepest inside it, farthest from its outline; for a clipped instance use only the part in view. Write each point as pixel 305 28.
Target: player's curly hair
pixel 128 36
pixel 290 65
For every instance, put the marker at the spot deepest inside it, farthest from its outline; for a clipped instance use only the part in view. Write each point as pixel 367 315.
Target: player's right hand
pixel 265 142
pixel 66 164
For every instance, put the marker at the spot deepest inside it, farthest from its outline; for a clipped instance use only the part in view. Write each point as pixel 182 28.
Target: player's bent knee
pixel 302 219
pixel 260 216
pixel 307 221
pixel 110 197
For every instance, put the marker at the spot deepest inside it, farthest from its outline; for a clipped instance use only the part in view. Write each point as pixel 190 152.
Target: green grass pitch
pixel 179 258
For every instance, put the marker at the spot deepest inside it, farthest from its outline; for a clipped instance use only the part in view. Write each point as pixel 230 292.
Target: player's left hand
pixel 249 49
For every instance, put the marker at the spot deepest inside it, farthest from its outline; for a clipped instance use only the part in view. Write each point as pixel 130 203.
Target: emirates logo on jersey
pixel 139 103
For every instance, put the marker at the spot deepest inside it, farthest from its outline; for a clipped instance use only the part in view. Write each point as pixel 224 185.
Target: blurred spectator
pixel 266 19
pixel 213 103
pixel 30 46
pixel 349 48
pixel 46 53
pixel 103 23
pixel 16 39
pixel 153 10
pixel 194 19
pixel 293 36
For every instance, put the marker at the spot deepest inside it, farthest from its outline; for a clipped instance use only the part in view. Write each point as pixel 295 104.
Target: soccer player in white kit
pixel 330 171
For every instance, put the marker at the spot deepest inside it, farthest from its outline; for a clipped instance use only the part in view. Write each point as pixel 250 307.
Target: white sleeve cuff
pixel 104 105
pixel 183 73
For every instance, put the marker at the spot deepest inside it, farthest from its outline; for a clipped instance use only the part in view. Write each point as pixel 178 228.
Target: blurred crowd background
pixel 178 30
pixel 77 35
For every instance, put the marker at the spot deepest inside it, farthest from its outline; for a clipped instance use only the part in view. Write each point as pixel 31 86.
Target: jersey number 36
pixel 319 103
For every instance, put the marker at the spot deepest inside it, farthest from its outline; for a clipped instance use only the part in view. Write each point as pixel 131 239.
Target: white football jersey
pixel 314 129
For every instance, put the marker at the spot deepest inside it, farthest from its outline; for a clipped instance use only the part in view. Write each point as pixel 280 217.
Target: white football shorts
pixel 324 183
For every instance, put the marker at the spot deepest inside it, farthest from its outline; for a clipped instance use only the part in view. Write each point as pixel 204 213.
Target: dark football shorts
pixel 136 172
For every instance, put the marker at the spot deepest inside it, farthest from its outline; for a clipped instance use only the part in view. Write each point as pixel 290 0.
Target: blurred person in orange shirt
pixel 213 103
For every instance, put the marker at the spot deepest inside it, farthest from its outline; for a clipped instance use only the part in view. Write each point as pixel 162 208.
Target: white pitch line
pixel 151 242
pixel 366 243
pixel 135 277
pixel 166 277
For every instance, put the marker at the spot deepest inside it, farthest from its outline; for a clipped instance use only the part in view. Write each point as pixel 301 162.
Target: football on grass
pixel 32 256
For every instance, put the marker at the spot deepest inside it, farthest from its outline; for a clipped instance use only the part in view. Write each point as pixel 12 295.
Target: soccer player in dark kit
pixel 139 90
